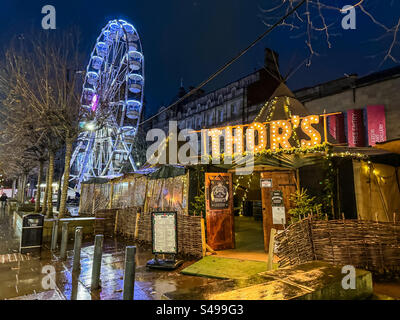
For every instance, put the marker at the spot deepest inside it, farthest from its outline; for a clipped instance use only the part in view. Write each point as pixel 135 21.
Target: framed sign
pixel 219 194
pixel 266 183
pixel 278 207
pixel 164 232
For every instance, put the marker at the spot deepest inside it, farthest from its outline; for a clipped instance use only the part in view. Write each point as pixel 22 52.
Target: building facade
pixel 359 98
pixel 236 103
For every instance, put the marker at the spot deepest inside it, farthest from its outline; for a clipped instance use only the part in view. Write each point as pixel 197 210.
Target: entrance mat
pixel 225 268
pixel 314 280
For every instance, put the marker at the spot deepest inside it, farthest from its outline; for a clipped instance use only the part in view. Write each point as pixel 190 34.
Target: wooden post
pixel 137 225
pixel 80 200
pixel 203 237
pixel 116 222
pixel 297 180
pixel 325 128
pixel 145 204
pixel 271 249
pixel 111 196
pixel 94 201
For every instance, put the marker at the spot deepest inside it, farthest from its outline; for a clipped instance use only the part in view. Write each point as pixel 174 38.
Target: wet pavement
pixel 25 277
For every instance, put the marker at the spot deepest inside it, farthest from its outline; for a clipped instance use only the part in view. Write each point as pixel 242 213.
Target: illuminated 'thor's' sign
pixel 257 136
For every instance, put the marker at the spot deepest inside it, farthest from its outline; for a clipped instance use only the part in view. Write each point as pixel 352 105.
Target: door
pixel 283 183
pixel 219 211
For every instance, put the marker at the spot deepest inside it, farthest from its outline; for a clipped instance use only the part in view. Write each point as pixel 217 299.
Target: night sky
pixel 190 39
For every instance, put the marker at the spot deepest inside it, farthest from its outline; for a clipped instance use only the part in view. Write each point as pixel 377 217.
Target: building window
pixel 221 115
pixel 234 108
pixel 210 119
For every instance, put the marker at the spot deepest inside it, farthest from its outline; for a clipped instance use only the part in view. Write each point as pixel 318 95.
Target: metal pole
pixel 64 241
pixel 129 274
pixel 77 249
pixel 54 235
pixel 98 250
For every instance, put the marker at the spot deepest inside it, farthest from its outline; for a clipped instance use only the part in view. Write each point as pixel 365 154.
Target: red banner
pixel 376 124
pixel 336 127
pixel 355 128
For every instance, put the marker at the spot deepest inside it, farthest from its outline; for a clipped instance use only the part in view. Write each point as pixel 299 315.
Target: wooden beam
pixel 271 250
pixel 203 238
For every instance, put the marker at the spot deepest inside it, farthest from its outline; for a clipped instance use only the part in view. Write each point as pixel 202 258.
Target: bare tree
pixel 42 74
pixel 319 21
pixel 44 80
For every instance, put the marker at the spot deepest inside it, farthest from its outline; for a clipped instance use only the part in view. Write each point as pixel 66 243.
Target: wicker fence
pixel 132 223
pixel 374 246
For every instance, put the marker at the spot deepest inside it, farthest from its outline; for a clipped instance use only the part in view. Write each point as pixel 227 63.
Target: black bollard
pixel 96 267
pixel 129 274
pixel 77 249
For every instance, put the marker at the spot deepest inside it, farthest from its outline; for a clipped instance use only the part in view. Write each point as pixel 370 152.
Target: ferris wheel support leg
pixel 129 154
pixel 85 161
pixel 110 158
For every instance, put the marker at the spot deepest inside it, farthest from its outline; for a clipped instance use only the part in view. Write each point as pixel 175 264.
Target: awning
pixel 390 145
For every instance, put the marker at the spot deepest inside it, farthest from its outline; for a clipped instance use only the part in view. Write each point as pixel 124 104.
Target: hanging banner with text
pixel 336 127
pixel 355 128
pixel 376 124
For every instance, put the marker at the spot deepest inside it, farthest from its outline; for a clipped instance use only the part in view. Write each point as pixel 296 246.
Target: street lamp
pixel 90 126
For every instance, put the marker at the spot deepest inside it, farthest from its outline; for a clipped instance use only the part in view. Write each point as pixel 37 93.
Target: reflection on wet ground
pixel 9 241
pixel 20 278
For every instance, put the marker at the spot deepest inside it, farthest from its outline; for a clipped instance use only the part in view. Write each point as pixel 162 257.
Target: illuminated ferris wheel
pixel 113 93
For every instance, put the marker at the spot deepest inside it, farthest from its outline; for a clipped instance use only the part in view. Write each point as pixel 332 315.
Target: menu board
pixel 164 232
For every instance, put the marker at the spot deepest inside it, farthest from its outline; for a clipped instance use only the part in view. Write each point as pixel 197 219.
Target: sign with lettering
pixel 272 135
pixel 355 128
pixel 219 194
pixel 336 127
pixel 266 183
pixel 164 232
pixel 376 124
pixel 278 208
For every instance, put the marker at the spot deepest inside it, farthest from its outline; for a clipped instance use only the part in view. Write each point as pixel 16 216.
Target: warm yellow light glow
pixel 309 130
pixel 251 139
pixel 215 142
pixel 238 140
pixel 280 139
pixel 232 140
pixel 295 121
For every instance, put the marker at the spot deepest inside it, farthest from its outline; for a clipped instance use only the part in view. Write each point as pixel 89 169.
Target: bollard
pixel 129 274
pixel 54 235
pixel 74 286
pixel 64 241
pixel 77 249
pixel 98 250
